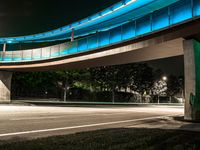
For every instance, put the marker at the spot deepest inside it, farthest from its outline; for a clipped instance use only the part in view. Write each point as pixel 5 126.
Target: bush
pixel 78 94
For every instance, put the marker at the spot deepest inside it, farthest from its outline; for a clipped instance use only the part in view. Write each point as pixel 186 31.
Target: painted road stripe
pixel 81 126
pixel 36 118
pixel 56 117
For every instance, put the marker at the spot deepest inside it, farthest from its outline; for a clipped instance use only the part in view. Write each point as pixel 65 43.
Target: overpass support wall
pixel 5 86
pixel 192 79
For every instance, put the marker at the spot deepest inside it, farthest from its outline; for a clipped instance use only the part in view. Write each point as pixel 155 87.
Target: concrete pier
pixel 191 53
pixel 5 86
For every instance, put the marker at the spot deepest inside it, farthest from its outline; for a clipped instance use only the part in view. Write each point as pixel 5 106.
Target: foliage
pixel 67 78
pixel 34 83
pixel 175 85
pixel 137 76
pixel 160 88
pixel 140 78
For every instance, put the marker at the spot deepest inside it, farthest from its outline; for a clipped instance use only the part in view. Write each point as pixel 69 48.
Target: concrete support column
pixel 5 86
pixel 192 76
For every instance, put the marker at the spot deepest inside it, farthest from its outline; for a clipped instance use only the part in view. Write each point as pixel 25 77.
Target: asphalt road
pixel 28 122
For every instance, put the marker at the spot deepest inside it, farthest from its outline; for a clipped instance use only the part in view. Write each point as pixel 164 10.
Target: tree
pixel 137 76
pixel 174 85
pixel 124 76
pixel 160 89
pixel 142 78
pixel 112 75
pixel 106 78
pixel 33 83
pixel 67 78
pixel 98 77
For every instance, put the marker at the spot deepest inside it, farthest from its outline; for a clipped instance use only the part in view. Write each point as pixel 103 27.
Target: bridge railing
pixel 179 12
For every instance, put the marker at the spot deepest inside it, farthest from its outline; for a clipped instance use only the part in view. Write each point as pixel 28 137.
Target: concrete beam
pixel 135 52
pixel 5 86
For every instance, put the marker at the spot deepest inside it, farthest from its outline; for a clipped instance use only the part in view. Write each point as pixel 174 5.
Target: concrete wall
pixel 5 86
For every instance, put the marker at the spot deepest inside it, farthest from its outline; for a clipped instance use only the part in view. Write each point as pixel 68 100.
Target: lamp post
pixel 164 78
pixel 162 81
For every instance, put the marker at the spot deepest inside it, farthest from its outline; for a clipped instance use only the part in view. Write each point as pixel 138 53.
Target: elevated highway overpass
pixel 130 31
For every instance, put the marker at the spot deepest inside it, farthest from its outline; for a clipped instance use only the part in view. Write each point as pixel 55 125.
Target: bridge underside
pixel 137 52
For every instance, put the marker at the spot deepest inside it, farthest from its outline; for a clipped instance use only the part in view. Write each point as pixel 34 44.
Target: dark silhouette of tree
pixel 142 77
pixel 34 83
pixel 112 78
pixel 67 78
pixel 137 77
pixel 175 85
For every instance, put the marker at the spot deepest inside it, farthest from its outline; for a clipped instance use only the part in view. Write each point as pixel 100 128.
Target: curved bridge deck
pixel 163 22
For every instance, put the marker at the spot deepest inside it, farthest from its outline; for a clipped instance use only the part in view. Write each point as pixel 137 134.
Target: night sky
pixel 24 17
pixel 170 66
pixel 31 16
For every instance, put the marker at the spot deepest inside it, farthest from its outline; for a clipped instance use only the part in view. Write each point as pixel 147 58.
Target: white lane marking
pixel 81 126
pixel 36 118
pixel 56 117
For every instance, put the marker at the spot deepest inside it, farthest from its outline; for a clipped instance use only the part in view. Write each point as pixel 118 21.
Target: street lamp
pixel 164 78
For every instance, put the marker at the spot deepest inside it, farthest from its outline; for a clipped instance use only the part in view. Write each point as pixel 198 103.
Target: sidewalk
pixel 76 103
pixel 173 123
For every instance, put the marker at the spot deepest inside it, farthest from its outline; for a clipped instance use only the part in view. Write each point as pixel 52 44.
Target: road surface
pixel 29 122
